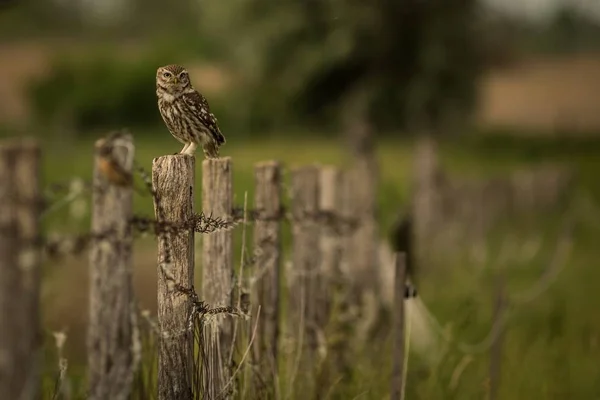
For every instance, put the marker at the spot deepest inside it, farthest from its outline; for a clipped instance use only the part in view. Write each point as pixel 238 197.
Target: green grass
pixel 551 345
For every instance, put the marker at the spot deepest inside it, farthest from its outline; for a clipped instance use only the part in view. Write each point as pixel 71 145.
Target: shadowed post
pixel 305 251
pixel 331 243
pixel 267 253
pixel 330 279
pixel 398 350
pixel 19 269
pixel 217 272
pixel 173 184
pixel 111 362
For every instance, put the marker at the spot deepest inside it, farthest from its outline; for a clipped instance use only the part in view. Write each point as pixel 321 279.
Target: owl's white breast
pixel 169 98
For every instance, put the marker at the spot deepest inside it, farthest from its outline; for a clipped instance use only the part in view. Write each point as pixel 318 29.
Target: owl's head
pixel 172 78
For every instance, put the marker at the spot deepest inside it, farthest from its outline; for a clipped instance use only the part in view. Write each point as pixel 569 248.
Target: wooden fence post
pixel 217 272
pixel 331 242
pixel 267 252
pixel 111 362
pixel 398 351
pixel 173 183
pixel 20 335
pixel 306 255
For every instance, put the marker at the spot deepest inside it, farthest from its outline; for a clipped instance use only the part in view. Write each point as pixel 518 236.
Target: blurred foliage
pixel 115 19
pixel 97 92
pixel 569 30
pixel 294 63
pixel 105 91
pixel 418 60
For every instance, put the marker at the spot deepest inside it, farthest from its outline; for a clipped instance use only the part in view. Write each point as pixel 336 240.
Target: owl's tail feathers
pixel 218 136
pixel 421 328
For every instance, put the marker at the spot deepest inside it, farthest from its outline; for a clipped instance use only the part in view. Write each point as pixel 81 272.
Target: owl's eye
pixel 183 75
pixel 166 74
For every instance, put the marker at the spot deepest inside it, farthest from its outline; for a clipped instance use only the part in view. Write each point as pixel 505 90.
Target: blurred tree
pixel 108 19
pixel 570 29
pixel 415 62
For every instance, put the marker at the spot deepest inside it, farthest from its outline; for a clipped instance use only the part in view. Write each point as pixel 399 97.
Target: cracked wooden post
pixel 306 253
pixel 111 362
pixel 173 183
pixel 217 272
pixel 267 253
pixel 20 336
pixel 398 350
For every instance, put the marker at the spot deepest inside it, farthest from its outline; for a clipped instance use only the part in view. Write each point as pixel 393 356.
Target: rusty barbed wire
pixel 58 194
pixel 328 219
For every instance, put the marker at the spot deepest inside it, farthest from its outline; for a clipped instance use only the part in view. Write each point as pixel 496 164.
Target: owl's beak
pixel 175 81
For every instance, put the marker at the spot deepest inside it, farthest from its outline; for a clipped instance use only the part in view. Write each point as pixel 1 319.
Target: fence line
pixel 331 228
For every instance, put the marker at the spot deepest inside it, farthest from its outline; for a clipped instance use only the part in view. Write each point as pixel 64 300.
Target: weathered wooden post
pixel 398 351
pixel 333 230
pixel 111 362
pixel 306 254
pixel 173 183
pixel 267 253
pixel 217 272
pixel 20 336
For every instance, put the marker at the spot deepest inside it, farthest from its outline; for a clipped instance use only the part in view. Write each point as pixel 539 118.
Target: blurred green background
pixel 499 86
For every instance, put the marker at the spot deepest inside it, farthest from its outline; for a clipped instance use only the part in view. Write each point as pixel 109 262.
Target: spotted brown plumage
pixel 186 112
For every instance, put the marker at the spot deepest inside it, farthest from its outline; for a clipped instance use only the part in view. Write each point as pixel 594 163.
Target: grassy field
pixel 551 347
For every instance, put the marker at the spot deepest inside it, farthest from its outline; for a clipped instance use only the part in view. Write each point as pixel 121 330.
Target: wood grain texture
pixel 173 181
pixel 217 273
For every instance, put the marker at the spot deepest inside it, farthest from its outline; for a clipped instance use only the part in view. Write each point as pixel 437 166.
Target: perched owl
pixel 186 112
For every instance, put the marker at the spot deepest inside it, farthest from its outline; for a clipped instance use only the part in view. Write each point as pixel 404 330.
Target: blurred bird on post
pixel 110 167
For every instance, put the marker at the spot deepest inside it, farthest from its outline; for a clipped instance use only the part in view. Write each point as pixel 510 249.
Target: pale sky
pixel 541 8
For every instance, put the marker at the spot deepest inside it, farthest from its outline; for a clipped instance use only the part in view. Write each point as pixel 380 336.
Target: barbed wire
pixel 56 245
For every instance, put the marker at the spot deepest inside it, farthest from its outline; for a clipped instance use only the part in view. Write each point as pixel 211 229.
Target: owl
pixel 186 113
